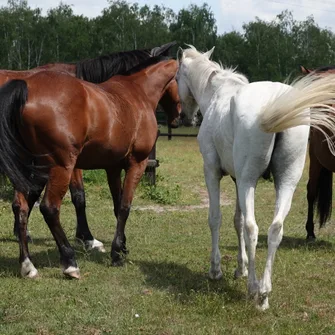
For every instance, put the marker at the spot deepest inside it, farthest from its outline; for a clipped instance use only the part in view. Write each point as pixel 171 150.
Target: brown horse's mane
pixel 325 68
pixel 102 68
pixel 148 62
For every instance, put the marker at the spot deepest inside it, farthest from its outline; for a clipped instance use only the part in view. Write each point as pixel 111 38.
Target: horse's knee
pixel 251 229
pixel 275 232
pixel 20 208
pixel 49 211
pixel 78 198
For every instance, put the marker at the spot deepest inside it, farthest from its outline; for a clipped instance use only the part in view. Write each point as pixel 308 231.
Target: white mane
pixel 203 69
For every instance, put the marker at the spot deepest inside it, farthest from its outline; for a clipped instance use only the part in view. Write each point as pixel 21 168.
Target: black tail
pixel 163 50
pixel 324 195
pixel 15 160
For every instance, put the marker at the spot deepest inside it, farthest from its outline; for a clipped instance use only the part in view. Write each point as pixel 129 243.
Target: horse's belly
pixel 100 157
pixel 226 162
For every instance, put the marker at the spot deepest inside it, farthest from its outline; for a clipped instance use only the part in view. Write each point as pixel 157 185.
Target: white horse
pixel 235 139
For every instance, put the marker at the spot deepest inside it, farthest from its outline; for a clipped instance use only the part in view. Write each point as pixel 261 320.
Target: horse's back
pixel 254 147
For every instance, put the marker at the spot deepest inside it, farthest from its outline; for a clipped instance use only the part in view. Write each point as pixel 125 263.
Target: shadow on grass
pixel 289 242
pixel 184 283
pixel 49 257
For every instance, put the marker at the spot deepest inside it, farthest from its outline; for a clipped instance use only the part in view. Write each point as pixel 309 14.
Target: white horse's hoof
pixel 240 273
pixel 28 269
pixel 215 274
pixel 262 302
pixel 72 272
pixel 253 289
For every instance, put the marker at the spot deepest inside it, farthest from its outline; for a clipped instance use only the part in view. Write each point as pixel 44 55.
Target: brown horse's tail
pixel 324 195
pixel 16 162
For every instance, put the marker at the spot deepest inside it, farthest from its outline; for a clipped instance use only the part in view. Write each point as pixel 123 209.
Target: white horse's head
pixel 188 102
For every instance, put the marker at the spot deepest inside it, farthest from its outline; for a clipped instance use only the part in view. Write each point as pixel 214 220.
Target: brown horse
pixel 66 123
pixel 321 168
pixel 96 70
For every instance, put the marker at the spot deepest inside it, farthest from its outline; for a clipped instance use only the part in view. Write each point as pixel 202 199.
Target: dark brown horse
pixel 321 168
pixel 52 123
pixel 96 70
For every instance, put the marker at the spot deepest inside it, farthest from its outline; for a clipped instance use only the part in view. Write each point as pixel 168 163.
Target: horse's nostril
pixel 182 115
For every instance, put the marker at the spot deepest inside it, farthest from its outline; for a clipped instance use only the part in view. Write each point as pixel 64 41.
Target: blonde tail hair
pixel 308 102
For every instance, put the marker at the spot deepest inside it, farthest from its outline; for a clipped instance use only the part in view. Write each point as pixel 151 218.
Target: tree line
pixel 262 50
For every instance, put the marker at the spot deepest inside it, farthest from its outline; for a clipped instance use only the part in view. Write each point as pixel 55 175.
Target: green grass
pixel 164 281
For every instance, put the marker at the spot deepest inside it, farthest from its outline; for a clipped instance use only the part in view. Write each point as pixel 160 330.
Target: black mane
pixel 325 68
pixel 146 63
pixel 100 69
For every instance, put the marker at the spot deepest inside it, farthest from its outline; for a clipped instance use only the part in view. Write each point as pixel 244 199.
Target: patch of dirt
pixel 224 201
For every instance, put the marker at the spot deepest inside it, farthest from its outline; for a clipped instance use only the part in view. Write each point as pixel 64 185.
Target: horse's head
pixel 171 104
pixel 322 70
pixel 187 99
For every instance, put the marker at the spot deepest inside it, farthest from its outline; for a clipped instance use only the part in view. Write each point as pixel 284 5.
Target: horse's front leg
pixel 246 196
pixel 242 258
pixel 115 187
pixel 83 232
pixel 132 178
pixel 213 176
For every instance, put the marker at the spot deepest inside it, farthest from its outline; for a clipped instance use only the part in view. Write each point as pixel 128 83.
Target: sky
pixel 230 14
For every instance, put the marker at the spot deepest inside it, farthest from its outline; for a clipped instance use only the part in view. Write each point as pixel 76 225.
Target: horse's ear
pixel 180 54
pixel 208 54
pixel 304 70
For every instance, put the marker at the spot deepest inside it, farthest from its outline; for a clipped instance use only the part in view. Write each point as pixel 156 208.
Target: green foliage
pixel 162 193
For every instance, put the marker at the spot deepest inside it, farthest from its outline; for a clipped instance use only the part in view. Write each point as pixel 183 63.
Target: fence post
pixel 169 133
pixel 153 163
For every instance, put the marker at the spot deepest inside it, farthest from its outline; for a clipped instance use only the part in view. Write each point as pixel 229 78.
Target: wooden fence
pixel 153 162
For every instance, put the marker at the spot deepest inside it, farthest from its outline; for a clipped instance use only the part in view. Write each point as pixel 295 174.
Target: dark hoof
pixel 118 263
pixel 117 259
pixel 125 251
pixel 310 238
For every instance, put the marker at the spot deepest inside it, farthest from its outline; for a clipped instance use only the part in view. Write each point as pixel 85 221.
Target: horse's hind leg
pixel 83 232
pixel 18 211
pixel 59 178
pixel 287 165
pixel 312 189
pixel 28 269
pixel 246 185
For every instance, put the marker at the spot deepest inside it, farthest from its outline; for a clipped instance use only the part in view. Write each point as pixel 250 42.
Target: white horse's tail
pixel 309 102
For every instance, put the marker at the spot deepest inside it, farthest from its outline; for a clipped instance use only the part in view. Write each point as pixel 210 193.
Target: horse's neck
pixel 156 79
pixel 227 87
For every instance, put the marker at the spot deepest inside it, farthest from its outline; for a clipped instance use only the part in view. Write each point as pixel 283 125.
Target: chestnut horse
pixel 51 123
pixel 96 70
pixel 321 168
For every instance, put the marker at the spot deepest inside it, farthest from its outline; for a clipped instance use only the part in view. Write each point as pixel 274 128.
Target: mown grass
pixel 163 288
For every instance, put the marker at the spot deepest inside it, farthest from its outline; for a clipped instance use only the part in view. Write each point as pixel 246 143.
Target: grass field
pixel 163 288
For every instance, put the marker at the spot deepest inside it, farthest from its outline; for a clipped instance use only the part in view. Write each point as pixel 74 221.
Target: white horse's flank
pixel 233 143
